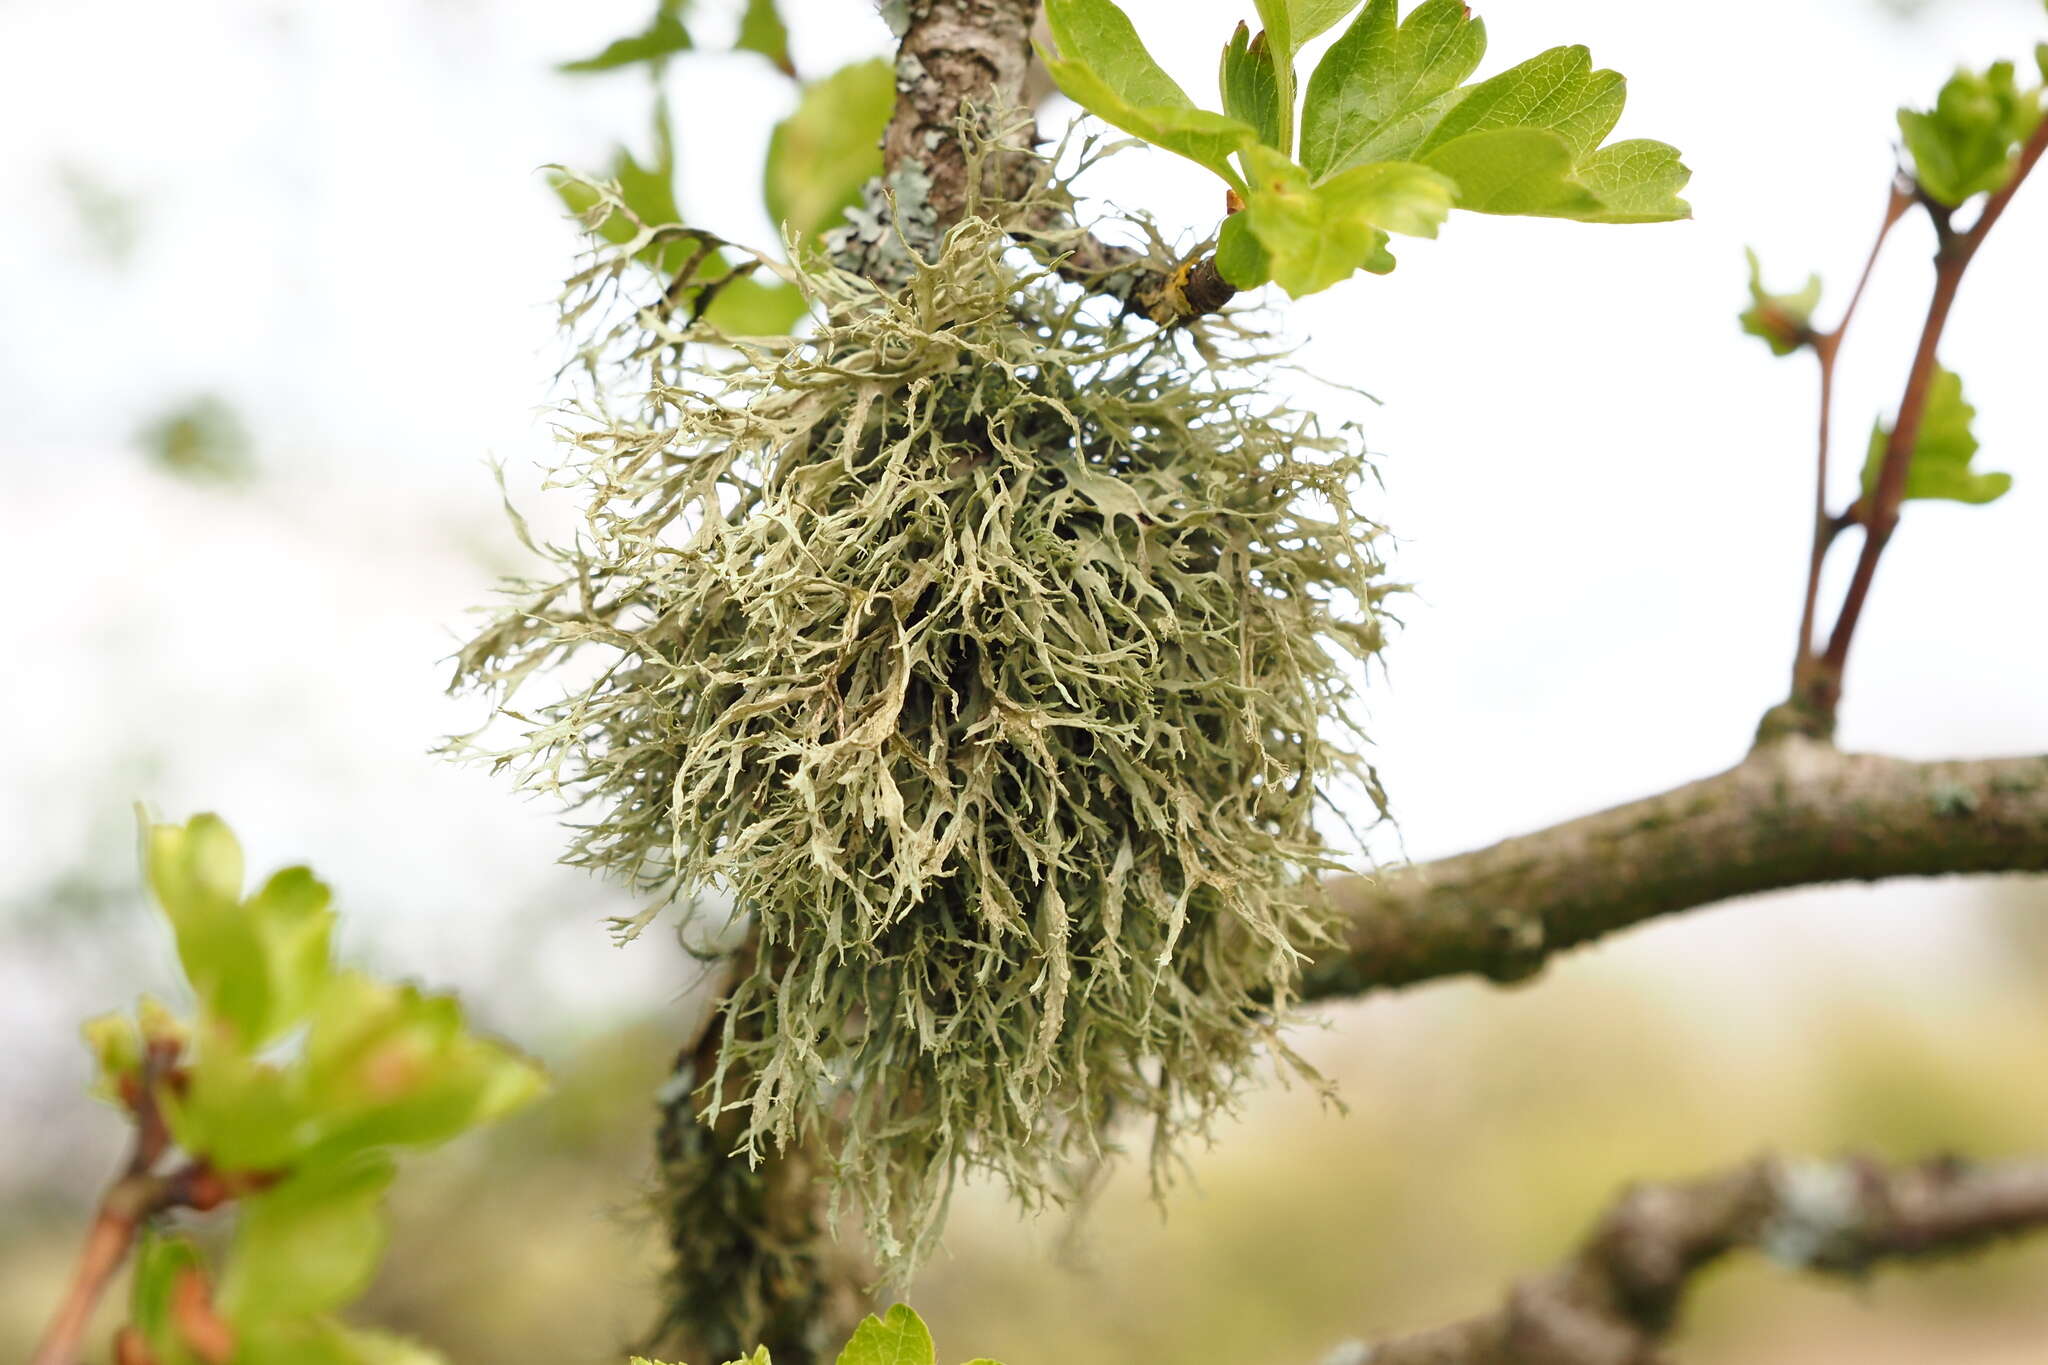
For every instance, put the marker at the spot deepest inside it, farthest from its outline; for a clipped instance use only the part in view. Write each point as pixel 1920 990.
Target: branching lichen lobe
pixel 989 652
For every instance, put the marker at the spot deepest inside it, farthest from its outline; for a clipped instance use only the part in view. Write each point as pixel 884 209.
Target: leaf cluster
pixel 284 1092
pixel 1969 142
pixel 898 1337
pixel 987 654
pixel 819 158
pixel 1392 133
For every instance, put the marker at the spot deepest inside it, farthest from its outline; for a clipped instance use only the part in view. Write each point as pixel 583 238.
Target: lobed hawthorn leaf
pixel 1251 85
pixel 1105 69
pixel 824 152
pixel 1384 84
pixel 310 1243
pixel 1240 257
pixel 1557 90
pixel 1514 171
pixel 898 1337
pixel 1943 451
pixel 663 37
pixel 1783 321
pixel 323 1341
pixel 1969 142
pixel 762 30
pixel 256 965
pixel 1636 181
pixel 1313 236
pixel 745 307
pixel 1525 141
pixel 1293 24
pixel 388 1064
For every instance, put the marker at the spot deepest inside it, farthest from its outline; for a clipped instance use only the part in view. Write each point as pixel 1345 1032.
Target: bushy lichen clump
pixel 986 652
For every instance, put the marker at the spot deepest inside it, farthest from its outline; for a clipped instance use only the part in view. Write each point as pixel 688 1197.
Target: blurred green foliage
pixel 1969 142
pixel 898 1337
pixel 200 438
pixel 282 1093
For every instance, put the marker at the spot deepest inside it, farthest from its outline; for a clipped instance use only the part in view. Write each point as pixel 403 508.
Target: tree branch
pixel 1795 812
pixel 956 55
pixel 1617 1297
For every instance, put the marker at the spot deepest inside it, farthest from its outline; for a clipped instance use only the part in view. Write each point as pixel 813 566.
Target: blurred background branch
pixel 1616 1299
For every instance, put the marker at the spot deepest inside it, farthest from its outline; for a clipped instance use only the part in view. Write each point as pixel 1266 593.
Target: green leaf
pixel 1399 196
pixel 308 1244
pixel 1383 85
pixel 387 1064
pixel 116 1045
pixel 1294 24
pixel 660 40
pixel 323 1341
pixel 2041 59
pixel 257 965
pixel 821 155
pixel 1556 90
pixel 1969 142
pixel 1636 181
pixel 1240 257
pixel 160 1261
pixel 899 1337
pixel 1942 452
pixel 1317 235
pixel 647 190
pixel 1107 71
pixel 1251 87
pixel 1783 321
pixel 762 31
pixel 369 1347
pixel 752 307
pixel 1514 170
pixel 1526 141
pixel 1099 36
pixel 240 1114
pixel 201 438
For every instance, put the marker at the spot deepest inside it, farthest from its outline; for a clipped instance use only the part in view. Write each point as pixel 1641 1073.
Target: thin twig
pixel 1826 347
pixel 1879 512
pixel 136 1195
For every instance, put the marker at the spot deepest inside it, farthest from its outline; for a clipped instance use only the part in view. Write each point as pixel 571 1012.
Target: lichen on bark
pixel 989 653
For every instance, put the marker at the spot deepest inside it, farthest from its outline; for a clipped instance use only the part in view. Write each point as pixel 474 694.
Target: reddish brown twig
pixel 138 1194
pixel 1826 525
pixel 1818 679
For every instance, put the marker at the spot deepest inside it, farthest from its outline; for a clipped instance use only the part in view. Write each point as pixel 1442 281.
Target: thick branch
pixel 1613 1302
pixel 951 54
pixel 1795 812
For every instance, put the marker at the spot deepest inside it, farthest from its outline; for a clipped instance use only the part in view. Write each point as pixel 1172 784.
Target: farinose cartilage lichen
pixel 987 653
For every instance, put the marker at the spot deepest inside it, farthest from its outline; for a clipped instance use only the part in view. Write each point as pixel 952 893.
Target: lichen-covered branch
pixel 1795 812
pixel 1615 1299
pixel 955 56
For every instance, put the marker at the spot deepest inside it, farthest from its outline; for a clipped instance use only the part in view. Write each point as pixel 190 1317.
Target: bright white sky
pixel 1601 488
